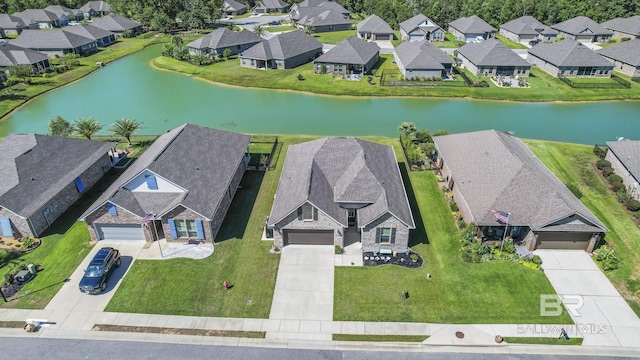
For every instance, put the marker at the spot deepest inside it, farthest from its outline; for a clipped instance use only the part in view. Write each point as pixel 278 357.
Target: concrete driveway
pixel 304 289
pixel 604 318
pixel 70 308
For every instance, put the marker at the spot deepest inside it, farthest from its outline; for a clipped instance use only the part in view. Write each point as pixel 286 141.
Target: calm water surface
pixel 163 100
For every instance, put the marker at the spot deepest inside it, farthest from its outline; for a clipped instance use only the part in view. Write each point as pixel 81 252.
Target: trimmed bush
pixel 602 163
pixel 536 260
pixel 614 177
pixel 338 250
pixel 617 186
pixel 606 171
pixel 632 204
pixel 453 206
pixel 575 189
pixel 636 214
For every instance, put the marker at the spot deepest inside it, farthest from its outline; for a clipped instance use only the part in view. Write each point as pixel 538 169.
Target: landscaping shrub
pixel 508 246
pixel 453 206
pixel 605 252
pixel 614 177
pixel 617 186
pixel 636 214
pixel 622 195
pixel 300 77
pixel 602 163
pixel 338 250
pixel 632 204
pixel 610 264
pixel 28 243
pixel 575 189
pixel 606 171
pixel 536 260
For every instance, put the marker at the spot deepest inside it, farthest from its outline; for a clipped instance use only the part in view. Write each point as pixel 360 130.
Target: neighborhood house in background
pixel 340 191
pixel 624 156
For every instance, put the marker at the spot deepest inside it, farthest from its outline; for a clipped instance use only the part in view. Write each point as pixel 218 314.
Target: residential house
pixel 422 59
pixel 320 19
pixel 69 14
pixel 625 57
pixel 527 28
pixel 583 29
pixel 217 41
pixel 624 28
pixel 351 56
pixel 55 43
pixel 339 191
pixel 233 8
pixel 419 28
pixel 624 156
pixel 271 6
pixel 491 58
pixel 569 58
pixel 179 189
pixel 12 25
pixel 283 51
pixel 42 176
pixel 101 36
pixel 471 28
pixel 374 28
pixel 95 8
pixel 500 186
pixel 118 25
pixel 11 55
pixel 42 18
pixel 324 4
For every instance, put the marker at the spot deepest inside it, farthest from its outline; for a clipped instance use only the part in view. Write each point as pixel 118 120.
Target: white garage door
pixel 120 232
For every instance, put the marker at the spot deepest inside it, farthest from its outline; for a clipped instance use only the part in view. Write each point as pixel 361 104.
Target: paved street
pixel 604 319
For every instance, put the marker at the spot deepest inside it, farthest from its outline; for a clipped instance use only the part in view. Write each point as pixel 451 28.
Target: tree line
pixel 161 15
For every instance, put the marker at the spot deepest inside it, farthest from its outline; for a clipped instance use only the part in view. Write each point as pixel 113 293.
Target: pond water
pixel 162 100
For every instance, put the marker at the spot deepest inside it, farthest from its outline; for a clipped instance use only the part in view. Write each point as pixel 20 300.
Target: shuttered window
pixel 200 229
pixel 172 228
pixel 79 184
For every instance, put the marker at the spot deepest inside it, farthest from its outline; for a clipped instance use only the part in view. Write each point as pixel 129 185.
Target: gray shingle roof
pixel 333 170
pixel 318 16
pixel 96 5
pixel 568 52
pixel 471 25
pixel 495 170
pixel 413 23
pixel 222 38
pixel 628 152
pixel 422 55
pixel 274 4
pixel 579 24
pixel 630 25
pixel 232 5
pixel 350 51
pixel 491 52
pixel 283 46
pixel 115 23
pixel 527 25
pixel 627 52
pixel 199 159
pixel 36 15
pixel 35 168
pixel 62 10
pixel 11 22
pixel 331 5
pixel 15 55
pixel 375 25
pixel 88 31
pixel 52 39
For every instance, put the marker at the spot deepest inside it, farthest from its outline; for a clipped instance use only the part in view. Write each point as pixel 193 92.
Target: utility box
pixel 32 268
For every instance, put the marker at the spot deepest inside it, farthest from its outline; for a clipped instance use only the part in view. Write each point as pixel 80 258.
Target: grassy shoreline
pixel 544 88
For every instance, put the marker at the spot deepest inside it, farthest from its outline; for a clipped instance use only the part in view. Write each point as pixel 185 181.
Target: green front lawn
pixel 333 37
pixel 573 163
pixel 510 43
pixel 280 28
pixel 458 292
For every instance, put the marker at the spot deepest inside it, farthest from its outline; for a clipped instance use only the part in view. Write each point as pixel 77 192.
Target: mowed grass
pixel 543 341
pixel 573 163
pixel 510 43
pixel 333 37
pixel 458 292
pixel 380 338
pixel 194 287
pixel 543 86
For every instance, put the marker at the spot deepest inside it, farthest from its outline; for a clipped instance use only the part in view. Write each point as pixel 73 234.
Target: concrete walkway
pixel 603 318
pixel 303 292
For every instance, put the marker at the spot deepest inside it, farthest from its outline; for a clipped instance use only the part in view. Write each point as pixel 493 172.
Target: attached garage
pixel 119 232
pixel 383 36
pixel 563 240
pixel 584 38
pixel 308 237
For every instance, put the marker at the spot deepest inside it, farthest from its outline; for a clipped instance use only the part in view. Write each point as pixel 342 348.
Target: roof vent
pixel 32 178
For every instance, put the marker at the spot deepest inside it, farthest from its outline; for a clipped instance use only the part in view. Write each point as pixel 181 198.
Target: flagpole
pixel 504 236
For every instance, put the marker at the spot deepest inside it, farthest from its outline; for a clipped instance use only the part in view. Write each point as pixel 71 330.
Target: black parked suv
pixel 100 268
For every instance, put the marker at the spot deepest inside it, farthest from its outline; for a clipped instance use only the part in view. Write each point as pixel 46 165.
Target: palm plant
pixel 86 127
pixel 407 128
pixel 125 127
pixel 309 29
pixel 259 30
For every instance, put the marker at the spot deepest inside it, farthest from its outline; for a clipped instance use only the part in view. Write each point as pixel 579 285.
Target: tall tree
pixel 86 127
pixel 125 127
pixel 60 127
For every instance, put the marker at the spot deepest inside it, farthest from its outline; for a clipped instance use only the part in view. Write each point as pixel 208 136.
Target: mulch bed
pixel 178 331
pixel 401 259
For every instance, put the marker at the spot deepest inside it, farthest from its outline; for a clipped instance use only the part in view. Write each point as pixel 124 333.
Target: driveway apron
pixel 604 318
pixel 303 296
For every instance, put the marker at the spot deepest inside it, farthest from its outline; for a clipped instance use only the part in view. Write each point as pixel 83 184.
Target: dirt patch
pixel 178 331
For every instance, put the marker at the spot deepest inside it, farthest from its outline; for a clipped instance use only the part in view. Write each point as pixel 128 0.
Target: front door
pixel 351 216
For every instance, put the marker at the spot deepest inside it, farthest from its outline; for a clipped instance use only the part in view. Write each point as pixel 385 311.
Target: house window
pixel 307 212
pixel 186 228
pixel 385 235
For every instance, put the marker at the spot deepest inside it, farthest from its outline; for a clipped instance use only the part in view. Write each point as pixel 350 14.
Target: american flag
pixel 148 218
pixel 500 215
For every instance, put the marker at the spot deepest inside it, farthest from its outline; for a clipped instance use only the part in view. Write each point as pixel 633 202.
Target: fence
pixel 261 146
pixel 394 78
pixel 620 83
